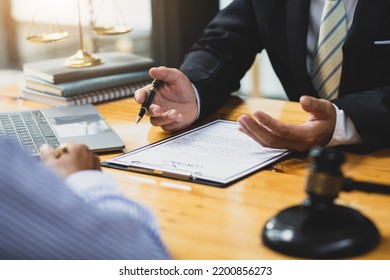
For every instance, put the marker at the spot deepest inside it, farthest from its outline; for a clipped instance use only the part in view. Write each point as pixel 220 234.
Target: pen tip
pixel 138 119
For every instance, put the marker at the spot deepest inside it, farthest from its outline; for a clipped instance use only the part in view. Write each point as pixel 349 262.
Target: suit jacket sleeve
pixel 370 113
pixel 217 62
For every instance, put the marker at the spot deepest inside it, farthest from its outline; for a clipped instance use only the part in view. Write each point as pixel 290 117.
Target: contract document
pixel 216 154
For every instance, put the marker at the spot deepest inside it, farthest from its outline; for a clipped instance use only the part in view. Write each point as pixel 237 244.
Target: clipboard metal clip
pixel 155 169
pixel 174 175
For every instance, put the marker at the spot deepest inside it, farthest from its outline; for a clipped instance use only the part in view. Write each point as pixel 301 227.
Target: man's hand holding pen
pixel 156 84
pixel 174 106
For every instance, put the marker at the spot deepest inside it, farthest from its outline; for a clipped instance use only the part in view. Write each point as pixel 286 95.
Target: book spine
pixel 53 71
pixel 107 94
pixel 79 87
pixel 94 97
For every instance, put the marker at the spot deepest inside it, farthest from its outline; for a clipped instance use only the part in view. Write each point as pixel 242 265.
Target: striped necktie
pixel 328 56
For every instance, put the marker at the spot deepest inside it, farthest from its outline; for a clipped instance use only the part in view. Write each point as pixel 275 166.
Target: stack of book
pixel 50 82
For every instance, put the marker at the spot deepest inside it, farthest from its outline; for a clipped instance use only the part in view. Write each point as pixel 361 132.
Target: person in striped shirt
pixel 64 207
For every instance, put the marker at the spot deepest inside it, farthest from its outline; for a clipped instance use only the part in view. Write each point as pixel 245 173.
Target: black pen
pixel 149 98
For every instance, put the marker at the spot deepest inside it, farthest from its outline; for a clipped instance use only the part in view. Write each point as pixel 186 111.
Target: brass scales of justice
pixel 81 58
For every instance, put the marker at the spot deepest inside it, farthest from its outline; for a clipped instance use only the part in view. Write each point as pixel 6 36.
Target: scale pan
pixel 112 30
pixel 47 37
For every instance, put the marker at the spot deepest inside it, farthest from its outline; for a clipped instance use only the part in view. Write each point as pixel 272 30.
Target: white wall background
pixel 132 12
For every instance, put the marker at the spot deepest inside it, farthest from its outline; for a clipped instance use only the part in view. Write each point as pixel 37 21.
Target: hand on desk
pixel 174 107
pixel 316 131
pixel 77 157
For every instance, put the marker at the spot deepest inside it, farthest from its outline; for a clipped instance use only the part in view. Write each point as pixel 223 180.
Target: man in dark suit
pixel 288 30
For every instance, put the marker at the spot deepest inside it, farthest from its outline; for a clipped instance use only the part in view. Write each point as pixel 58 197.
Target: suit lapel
pixel 297 12
pixel 361 36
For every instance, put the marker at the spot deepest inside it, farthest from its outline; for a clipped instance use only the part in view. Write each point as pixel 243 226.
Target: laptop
pixel 57 125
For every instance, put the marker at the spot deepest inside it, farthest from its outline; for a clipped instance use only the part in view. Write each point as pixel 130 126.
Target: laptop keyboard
pixel 30 129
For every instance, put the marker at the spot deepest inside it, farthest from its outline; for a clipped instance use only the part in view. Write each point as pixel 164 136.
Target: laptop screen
pixel 79 125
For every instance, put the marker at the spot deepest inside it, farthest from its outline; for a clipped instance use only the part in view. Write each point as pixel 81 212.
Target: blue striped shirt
pixel 41 217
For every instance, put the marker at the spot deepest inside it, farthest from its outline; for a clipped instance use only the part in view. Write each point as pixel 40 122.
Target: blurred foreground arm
pixel 42 218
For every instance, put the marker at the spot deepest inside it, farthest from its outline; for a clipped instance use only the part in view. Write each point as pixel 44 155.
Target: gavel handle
pixel 352 185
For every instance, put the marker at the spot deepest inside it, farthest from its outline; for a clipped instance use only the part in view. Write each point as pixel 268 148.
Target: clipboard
pixel 215 154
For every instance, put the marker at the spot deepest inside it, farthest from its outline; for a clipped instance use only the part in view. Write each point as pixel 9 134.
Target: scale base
pixel 82 59
pixel 331 233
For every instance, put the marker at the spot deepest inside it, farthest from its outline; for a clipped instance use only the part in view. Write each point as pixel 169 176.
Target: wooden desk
pixel 203 222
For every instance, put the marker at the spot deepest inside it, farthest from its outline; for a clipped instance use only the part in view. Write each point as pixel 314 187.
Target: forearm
pixel 41 218
pixel 218 61
pixel 100 190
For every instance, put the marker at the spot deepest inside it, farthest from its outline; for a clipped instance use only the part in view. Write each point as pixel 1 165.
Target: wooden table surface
pixel 204 222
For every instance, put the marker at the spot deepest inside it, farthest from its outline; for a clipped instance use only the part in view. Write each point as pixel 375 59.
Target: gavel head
pixel 324 178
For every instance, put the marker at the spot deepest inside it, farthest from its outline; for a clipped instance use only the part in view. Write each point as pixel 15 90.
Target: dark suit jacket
pixel 218 61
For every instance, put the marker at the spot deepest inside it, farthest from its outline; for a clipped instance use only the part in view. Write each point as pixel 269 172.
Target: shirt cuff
pixel 197 100
pixel 345 132
pixel 91 184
